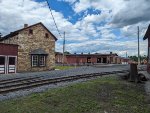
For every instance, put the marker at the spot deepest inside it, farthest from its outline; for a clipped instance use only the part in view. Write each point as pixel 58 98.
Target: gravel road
pixel 69 72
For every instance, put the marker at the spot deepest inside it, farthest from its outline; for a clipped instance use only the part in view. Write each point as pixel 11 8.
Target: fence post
pixel 133 73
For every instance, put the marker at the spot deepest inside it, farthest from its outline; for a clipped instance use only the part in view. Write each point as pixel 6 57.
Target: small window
pixel 88 59
pixel 2 60
pixel 34 60
pixel 11 60
pixel 38 60
pixel 41 60
pixel 30 31
pixel 46 35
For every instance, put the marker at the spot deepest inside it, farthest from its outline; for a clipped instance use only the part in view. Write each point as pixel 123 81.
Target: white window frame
pixel 34 60
pixel 40 61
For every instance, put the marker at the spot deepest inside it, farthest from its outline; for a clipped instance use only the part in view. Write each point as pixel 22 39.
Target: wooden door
pixel 11 64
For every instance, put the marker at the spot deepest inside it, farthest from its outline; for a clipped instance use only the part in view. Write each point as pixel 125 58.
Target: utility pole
pixel 0 35
pixel 64 50
pixel 126 57
pixel 138 46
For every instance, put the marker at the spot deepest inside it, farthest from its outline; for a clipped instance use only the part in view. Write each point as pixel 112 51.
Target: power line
pixel 53 18
pixel 51 15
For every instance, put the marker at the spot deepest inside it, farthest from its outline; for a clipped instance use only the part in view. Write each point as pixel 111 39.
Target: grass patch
pixel 106 94
pixel 64 67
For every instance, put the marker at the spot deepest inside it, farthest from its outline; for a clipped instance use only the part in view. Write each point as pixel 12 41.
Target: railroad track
pixel 17 84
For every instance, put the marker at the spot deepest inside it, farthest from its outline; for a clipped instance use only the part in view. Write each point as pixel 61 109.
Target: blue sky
pixel 95 26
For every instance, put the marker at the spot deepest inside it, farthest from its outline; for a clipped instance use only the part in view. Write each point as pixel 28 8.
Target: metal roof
pixel 39 51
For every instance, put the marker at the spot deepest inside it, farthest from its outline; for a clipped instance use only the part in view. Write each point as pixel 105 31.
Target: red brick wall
pixel 80 59
pixel 8 49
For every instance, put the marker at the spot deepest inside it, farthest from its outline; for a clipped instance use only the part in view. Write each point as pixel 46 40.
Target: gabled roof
pixel 17 32
pixel 147 34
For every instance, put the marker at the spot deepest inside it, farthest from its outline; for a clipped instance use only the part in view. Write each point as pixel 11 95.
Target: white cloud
pixel 15 15
pixel 123 12
pixel 86 34
pixel 96 18
pixel 104 5
pixel 133 12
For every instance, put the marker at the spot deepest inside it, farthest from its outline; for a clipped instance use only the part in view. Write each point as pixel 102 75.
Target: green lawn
pixel 64 67
pixel 103 95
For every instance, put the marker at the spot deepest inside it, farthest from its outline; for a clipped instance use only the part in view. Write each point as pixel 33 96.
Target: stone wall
pixel 29 42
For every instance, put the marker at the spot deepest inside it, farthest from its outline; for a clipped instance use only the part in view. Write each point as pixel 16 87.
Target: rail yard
pixel 21 83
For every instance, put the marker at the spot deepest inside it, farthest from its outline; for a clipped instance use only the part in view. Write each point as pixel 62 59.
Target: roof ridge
pixel 14 33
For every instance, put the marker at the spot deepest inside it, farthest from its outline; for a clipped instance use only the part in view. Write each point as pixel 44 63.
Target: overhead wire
pixel 53 18
pixel 51 15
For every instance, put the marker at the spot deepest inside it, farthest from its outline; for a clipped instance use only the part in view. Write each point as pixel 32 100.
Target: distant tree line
pixel 135 58
pixel 67 53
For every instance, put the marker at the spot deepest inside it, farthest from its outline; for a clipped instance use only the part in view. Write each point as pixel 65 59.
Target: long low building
pixel 83 59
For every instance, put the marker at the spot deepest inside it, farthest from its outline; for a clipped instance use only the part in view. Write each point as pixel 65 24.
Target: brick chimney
pixel 25 25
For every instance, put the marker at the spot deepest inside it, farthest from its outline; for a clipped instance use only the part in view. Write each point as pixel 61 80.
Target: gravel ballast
pixel 53 74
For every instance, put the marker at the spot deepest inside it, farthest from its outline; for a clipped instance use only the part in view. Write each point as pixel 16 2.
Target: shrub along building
pixel 83 59
pixel 36 47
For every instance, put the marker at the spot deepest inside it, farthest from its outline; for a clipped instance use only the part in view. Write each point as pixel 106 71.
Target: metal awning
pixel 39 51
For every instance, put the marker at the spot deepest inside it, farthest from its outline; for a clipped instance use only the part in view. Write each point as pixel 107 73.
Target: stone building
pixel 36 47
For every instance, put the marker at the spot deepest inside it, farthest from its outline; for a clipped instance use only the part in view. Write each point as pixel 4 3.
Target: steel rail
pixel 46 81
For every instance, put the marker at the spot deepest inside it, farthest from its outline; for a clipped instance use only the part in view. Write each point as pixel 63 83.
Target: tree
pixel 135 58
pixel 67 53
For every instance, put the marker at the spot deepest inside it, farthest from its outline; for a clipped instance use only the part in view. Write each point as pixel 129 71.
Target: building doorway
pixel 98 60
pixel 2 65
pixel 104 60
pixel 88 59
pixel 11 64
pixel 8 64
